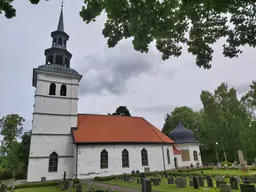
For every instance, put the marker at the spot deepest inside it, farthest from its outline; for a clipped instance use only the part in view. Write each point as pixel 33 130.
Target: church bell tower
pixel 55 112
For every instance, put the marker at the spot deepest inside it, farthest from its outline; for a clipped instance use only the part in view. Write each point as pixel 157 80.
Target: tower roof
pixel 61 22
pixel 182 135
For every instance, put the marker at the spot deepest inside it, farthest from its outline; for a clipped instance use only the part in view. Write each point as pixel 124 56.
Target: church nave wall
pixel 89 159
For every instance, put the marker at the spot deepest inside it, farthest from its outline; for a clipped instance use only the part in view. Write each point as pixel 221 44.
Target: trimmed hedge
pixel 35 185
pixel 7 174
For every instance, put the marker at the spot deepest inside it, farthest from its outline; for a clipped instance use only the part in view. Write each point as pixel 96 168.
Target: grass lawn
pixel 226 172
pixel 47 189
pixel 163 187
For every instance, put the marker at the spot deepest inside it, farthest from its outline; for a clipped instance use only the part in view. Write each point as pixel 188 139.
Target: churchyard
pixel 206 180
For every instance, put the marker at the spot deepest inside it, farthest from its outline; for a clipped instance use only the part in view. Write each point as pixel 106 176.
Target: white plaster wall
pixel 89 159
pixel 191 147
pixel 44 145
pixel 55 105
pixel 38 168
pixel 53 124
pixel 171 165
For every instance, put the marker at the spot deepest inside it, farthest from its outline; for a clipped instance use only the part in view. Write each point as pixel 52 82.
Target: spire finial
pixel 61 23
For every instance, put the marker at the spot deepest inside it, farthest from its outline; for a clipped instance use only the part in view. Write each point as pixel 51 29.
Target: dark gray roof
pixel 182 135
pixel 56 69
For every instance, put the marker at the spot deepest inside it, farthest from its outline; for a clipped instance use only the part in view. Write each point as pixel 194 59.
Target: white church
pixel 89 145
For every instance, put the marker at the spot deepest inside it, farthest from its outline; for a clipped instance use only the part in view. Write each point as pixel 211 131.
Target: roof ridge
pixel 109 115
pixel 149 124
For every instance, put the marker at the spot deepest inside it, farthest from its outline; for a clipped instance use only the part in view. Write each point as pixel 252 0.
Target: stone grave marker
pixel 191 183
pixel 247 188
pixel 233 183
pixel 159 180
pixel 219 178
pixel 246 180
pixel 241 157
pixel 209 181
pixel 196 183
pixel 138 180
pixel 142 176
pixel 155 182
pixel 3 187
pixel 225 188
pixel 218 183
pixel 79 187
pixel 146 185
pixel 219 165
pixel 170 180
pixel 239 167
pixel 181 183
pixel 201 181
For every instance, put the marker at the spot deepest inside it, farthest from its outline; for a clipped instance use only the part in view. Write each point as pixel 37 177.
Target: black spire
pixel 58 53
pixel 61 23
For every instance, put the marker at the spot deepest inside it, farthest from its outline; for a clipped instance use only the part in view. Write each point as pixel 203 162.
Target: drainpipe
pixel 163 155
pixel 76 159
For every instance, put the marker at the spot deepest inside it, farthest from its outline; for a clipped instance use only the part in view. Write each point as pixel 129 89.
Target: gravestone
pixel 219 165
pixel 225 188
pixel 191 183
pixel 159 180
pixel 142 176
pixel 196 183
pixel 247 188
pixel 146 185
pixel 241 157
pixel 252 179
pixel 233 183
pixel 181 183
pixel 138 180
pixel 219 178
pixel 218 183
pixel 209 181
pixel 170 180
pixel 201 181
pixel 246 180
pixel 3 187
pixel 166 175
pixel 155 182
pixel 79 187
pixel 239 167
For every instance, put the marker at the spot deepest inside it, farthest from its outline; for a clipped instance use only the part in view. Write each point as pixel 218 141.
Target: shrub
pixel 226 162
pixel 5 174
pixel 76 180
pixel 35 185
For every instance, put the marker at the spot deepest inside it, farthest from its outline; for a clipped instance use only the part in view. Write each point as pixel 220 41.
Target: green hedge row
pixel 7 174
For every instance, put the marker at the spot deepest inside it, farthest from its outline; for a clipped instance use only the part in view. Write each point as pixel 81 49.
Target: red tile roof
pixel 116 129
pixel 176 151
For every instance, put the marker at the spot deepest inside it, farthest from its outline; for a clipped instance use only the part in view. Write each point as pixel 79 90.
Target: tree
pixel 168 23
pixel 11 128
pixel 121 111
pixel 225 122
pixel 186 115
pixel 171 23
pixel 23 150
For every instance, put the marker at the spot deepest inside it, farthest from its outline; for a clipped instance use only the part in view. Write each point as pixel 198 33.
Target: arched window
pixel 66 62
pixel 195 156
pixel 168 157
pixel 60 41
pixel 144 157
pixel 53 162
pixel 125 158
pixel 52 90
pixel 65 42
pixel 54 42
pixel 104 159
pixel 63 90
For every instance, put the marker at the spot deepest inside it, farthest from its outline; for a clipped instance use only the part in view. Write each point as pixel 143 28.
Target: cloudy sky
pixel 148 86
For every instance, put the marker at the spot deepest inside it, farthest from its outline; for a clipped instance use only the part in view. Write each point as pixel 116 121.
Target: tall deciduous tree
pixel 121 111
pixel 171 23
pixel 23 150
pixel 11 128
pixel 186 115
pixel 225 121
